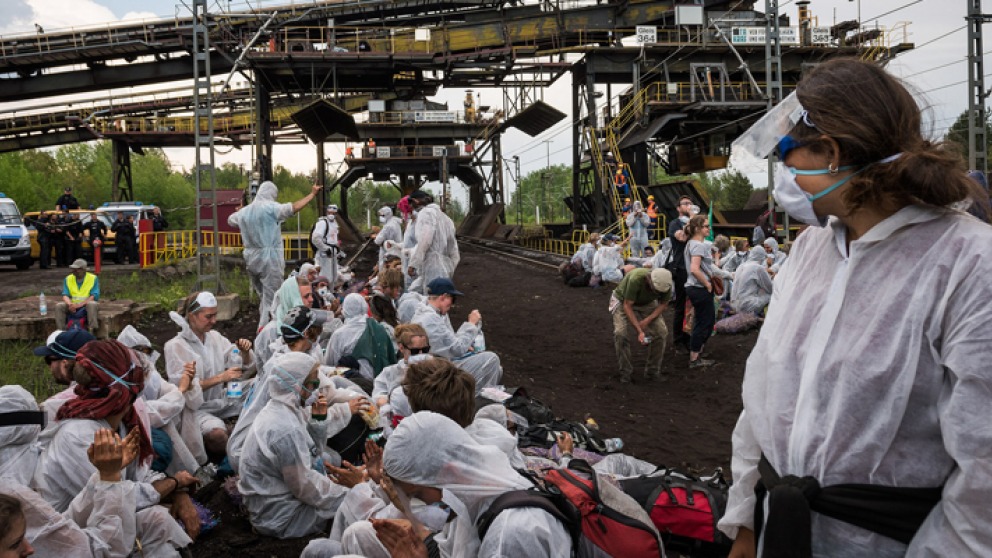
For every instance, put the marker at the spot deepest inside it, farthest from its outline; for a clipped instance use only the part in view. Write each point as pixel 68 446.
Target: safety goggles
pixel 765 137
pixel 419 351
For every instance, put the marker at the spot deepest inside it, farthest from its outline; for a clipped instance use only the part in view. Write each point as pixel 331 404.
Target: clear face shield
pixel 764 137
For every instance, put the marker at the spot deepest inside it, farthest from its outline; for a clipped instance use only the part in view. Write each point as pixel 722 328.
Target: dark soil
pixel 557 343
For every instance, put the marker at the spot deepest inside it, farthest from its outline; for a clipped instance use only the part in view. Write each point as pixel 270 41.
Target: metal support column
pixel 208 252
pixel 977 116
pixel 773 76
pixel 263 131
pixel 122 169
pixel 592 121
pixel 576 157
pixel 321 179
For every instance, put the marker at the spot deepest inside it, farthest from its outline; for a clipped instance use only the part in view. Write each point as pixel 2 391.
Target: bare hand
pixel 641 337
pixel 315 189
pixel 386 484
pixel 565 442
pixel 189 372
pixel 358 405
pixel 320 406
pixel 184 510
pixel 474 317
pixel 132 446
pixel 347 475
pixel 185 479
pixel 744 546
pixel 107 454
pixel 373 461
pixel 231 374
pixel 709 287
pixel 244 346
pixel 399 538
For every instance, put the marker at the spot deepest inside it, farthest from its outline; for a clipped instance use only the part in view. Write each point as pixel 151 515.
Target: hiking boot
pixel 700 363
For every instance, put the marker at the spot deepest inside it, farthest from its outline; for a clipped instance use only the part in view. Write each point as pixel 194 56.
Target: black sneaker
pixel 700 363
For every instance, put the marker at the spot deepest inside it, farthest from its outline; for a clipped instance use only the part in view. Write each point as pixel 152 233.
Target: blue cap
pixel 441 286
pixel 65 345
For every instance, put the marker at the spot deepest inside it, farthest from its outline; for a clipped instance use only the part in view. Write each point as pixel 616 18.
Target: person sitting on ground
pixel 284 494
pixel 109 379
pixel 387 390
pixel 752 284
pixel 382 302
pixel 200 351
pixel 638 301
pixel 294 291
pixel 59 352
pixel 362 338
pixel 722 244
pixel 433 459
pixel 578 271
pixel 736 258
pixel 99 523
pixel 79 308
pixel 457 346
pixel 608 263
pixel 775 256
pixel 407 306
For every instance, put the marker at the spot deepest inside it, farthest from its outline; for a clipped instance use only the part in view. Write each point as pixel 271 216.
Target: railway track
pixel 515 253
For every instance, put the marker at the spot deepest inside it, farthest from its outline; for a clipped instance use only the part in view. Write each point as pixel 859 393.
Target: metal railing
pixel 163 248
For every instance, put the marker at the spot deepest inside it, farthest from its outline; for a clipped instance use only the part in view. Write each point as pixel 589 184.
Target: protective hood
pixel 131 338
pixel 18 451
pixel 289 297
pixel 386 212
pixel 354 306
pixel 757 255
pixel 306 268
pixel 429 449
pixel 285 374
pixel 771 243
pixel 267 192
pixel 638 206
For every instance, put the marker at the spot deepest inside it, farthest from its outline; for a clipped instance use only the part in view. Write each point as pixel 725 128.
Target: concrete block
pixel 227 306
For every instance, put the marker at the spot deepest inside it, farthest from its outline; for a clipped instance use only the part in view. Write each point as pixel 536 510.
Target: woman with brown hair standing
pixel 865 427
pixel 699 287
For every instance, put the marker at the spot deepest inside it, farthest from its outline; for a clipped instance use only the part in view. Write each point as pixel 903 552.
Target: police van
pixel 135 209
pixel 15 244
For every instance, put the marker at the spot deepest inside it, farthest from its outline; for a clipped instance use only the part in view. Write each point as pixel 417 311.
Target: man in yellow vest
pixel 80 293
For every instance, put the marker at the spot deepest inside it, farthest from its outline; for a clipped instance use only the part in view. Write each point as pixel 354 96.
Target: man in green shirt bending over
pixel 638 301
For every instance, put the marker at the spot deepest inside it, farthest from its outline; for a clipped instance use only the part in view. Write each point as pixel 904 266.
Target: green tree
pixel 366 197
pixel 728 189
pixel 544 188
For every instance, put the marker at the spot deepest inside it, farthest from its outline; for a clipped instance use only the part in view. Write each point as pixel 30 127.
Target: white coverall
pixel 585 254
pixel 284 495
pixel 260 224
pixel 428 449
pixel 752 283
pixel 872 367
pixel 392 229
pixel 355 311
pixel 64 471
pixel 457 346
pixel 409 245
pixel 211 358
pixel 325 238
pixel 436 254
pixel 638 223
pixel 608 263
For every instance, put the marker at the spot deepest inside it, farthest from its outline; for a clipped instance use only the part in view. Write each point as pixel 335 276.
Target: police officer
pixel 124 239
pixel 41 224
pixel 73 237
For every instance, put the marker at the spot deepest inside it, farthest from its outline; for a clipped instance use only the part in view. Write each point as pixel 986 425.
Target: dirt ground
pixel 557 343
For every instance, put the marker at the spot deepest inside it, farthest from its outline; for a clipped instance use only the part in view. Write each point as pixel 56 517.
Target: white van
pixel 136 209
pixel 15 243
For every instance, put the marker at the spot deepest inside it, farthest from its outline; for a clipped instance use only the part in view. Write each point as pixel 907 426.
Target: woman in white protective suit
pixel 436 252
pixel 376 349
pixel 869 387
pixel 608 261
pixel 284 494
pixel 392 230
pixel 200 350
pixel 100 521
pixel 752 284
pixel 298 334
pixel 260 224
pixel 637 223
pixel 432 459
pixel 775 257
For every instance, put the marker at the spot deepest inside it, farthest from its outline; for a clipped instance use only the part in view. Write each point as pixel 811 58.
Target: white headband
pixel 205 299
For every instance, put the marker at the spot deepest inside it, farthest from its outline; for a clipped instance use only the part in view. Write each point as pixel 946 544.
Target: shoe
pixel 700 363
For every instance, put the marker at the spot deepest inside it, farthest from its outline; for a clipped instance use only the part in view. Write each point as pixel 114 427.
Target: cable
pixel 891 11
pixel 949 33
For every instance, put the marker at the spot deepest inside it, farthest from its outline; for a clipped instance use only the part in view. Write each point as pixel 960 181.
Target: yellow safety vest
pixel 79 293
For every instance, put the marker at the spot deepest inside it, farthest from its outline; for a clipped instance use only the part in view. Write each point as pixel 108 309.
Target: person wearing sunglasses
pixel 865 426
pixel 387 390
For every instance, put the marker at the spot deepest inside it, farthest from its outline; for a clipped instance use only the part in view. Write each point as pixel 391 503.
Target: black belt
pixel 894 512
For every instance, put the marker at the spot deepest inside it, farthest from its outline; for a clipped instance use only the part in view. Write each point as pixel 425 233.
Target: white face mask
pixel 794 199
pixel 330 217
pixel 382 219
pixel 312 399
pixel 418 358
pixel 323 292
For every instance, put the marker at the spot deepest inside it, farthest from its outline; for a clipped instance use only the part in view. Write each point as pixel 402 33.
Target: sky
pixel 936 68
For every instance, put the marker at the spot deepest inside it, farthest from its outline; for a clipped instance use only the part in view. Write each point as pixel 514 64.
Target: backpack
pixel 685 509
pixel 602 521
pixel 313 247
pixel 545 435
pixel 532 410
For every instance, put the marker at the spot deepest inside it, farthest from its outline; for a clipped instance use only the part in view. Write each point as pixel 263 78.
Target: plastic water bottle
pixel 234 389
pixel 479 344
pixel 42 305
pixel 613 445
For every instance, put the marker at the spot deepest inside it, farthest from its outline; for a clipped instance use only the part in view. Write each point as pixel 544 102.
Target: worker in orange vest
pixel 371 147
pixel 652 211
pixel 349 152
pixel 620 180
